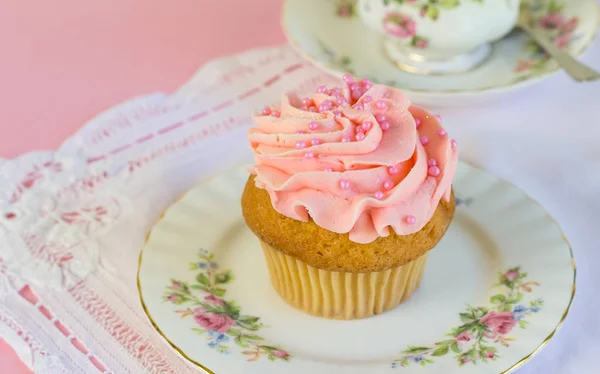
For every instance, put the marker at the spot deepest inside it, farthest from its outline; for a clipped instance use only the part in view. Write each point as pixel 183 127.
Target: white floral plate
pixel 330 34
pixel 495 291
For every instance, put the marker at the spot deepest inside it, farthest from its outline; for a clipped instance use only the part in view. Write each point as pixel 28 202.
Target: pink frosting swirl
pixel 356 160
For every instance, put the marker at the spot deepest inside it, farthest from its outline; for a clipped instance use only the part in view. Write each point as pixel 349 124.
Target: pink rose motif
pixel 279 353
pixel 562 41
pixel 489 354
pixel 175 299
pixel 399 25
pixel 421 43
pixel 344 11
pixel 552 20
pixel 466 360
pixel 499 323
pixel 524 65
pixel 212 299
pixel 176 285
pixel 464 337
pixel 511 275
pixel 570 26
pixel 211 321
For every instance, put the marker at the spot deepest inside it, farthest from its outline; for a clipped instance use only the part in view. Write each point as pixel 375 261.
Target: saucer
pixel 331 35
pixel 495 291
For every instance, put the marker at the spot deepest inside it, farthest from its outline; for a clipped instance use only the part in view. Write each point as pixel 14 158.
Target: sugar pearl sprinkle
pixel 329 170
pixel 434 171
pixel 385 125
pixel 367 125
pixel 410 220
pixel 300 144
pixel 346 139
pixel 360 136
pixel 359 106
pixel 418 122
pixel 388 185
pixel 379 195
pixel 431 162
pixel 315 142
pixel 453 144
pixel 313 125
pixel 380 104
pixel 344 184
pixel 309 154
pixel 266 111
pixel 321 89
pixel 275 113
pixel 393 170
pixel 424 140
pixel 442 132
pixel 367 99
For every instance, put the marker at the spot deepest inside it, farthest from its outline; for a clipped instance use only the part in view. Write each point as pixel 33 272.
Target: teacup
pixel 439 37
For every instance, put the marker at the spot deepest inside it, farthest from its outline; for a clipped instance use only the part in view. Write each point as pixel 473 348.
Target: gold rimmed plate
pixel 495 291
pixel 331 35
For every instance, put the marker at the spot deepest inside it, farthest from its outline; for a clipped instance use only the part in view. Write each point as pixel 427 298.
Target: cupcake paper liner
pixel 341 295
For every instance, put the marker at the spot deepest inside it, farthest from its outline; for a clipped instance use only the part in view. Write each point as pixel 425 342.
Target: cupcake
pixel 350 190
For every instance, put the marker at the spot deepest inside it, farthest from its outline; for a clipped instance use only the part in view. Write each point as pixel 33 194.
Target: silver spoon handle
pixel 574 68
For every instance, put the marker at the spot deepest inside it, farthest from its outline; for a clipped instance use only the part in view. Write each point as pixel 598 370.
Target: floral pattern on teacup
pixel 345 8
pixel 402 26
pixel 549 17
pixel 219 319
pixel 430 8
pixel 483 329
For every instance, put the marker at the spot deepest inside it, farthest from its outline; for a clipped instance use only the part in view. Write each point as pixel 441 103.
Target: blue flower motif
pixel 216 338
pixel 394 365
pixel 202 251
pixel 202 265
pixel 417 359
pixel 535 309
pixel 520 309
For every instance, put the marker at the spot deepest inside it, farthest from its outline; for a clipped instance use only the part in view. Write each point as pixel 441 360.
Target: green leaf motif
pixel 218 291
pixel 412 349
pixel 497 299
pixel 248 319
pixel 466 317
pixel 441 351
pixel 203 279
pixel 454 347
pixel 224 277
pixel 448 4
pixel 241 341
pixel 432 12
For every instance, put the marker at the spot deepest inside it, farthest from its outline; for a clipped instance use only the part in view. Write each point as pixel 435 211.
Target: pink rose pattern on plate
pixel 482 328
pixel 549 17
pixel 220 320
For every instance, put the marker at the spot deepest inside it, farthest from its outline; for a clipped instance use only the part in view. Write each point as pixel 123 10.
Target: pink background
pixel 64 61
